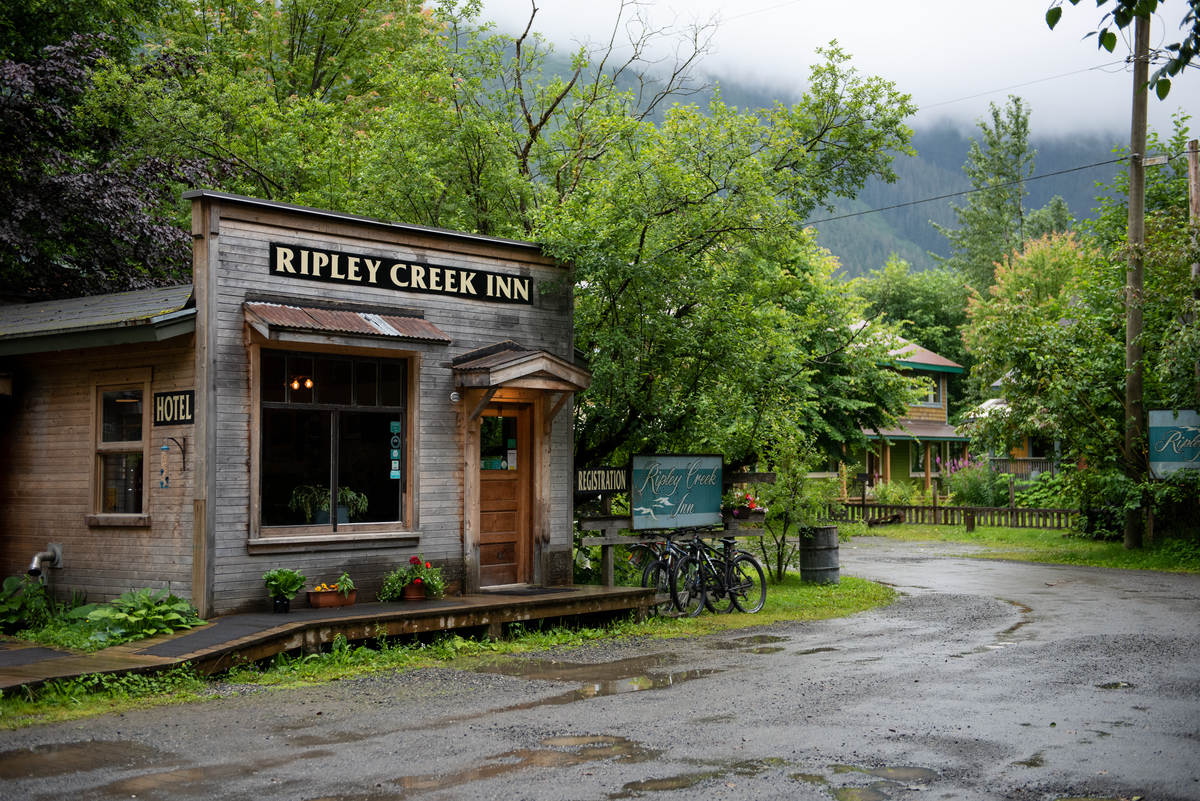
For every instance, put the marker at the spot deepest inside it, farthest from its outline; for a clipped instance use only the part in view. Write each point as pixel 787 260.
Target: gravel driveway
pixel 985 680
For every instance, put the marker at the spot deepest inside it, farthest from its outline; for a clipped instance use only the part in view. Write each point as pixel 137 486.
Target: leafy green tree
pixel 1053 218
pixel 78 214
pixel 1124 13
pixel 930 308
pixel 28 26
pixel 991 225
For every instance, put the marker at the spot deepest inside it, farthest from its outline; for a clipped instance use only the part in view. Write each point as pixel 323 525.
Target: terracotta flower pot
pixel 413 592
pixel 320 600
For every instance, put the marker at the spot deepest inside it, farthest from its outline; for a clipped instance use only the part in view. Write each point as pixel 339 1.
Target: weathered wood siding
pixel 48 456
pixel 435 444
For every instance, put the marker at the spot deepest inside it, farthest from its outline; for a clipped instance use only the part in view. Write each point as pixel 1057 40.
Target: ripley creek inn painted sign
pixel 673 490
pixel 1174 442
pixel 340 267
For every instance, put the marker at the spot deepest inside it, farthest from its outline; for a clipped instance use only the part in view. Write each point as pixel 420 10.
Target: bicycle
pixel 658 574
pixel 717 580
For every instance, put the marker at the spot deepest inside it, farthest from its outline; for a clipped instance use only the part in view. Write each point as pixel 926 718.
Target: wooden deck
pixel 253 637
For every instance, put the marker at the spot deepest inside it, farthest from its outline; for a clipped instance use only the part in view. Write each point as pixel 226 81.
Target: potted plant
pixel 340 593
pixel 283 584
pixel 413 582
pixel 739 505
pixel 312 500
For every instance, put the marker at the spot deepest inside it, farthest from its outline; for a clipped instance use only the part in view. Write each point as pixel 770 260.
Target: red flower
pixel 428 564
pixel 416 560
pixel 416 581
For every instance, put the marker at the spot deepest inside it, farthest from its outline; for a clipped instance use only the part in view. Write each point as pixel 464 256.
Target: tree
pixel 1053 328
pixel 28 26
pixel 930 308
pixel 991 225
pixel 77 216
pixel 1123 14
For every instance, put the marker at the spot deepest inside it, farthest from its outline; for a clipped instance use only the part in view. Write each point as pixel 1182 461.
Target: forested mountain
pixel 863 243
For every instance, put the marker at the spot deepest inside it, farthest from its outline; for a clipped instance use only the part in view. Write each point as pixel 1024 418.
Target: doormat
pixel 523 591
pixel 27 656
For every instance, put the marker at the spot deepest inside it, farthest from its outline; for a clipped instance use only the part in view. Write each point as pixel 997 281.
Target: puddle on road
pixel 745 768
pixel 607 678
pixel 824 650
pixel 1038 760
pixel 57 759
pixel 591 749
pixel 744 644
pixel 907 774
pixel 811 778
pixel 199 782
pixel 762 639
pixel 1117 685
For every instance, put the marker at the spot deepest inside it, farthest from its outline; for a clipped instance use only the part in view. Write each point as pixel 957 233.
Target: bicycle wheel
pixel 687 586
pixel 658 575
pixel 717 598
pixel 748 586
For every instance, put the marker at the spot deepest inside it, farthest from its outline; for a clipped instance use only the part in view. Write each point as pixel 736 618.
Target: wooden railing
pixel 1023 468
pixel 1012 517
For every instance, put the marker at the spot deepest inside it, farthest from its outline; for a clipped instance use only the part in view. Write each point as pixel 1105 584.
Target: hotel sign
pixel 1174 442
pixel 357 269
pixel 673 490
pixel 174 408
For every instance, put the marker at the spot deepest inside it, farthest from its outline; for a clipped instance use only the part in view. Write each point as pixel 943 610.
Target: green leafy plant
pixel 895 493
pixel 343 585
pixel 417 571
pixel 140 613
pixel 975 484
pixel 283 582
pixel 310 498
pixel 24 604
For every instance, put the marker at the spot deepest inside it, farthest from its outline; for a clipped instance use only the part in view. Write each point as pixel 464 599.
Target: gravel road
pixel 986 680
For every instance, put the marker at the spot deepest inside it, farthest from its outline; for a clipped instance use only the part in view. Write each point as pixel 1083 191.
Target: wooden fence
pixel 1012 517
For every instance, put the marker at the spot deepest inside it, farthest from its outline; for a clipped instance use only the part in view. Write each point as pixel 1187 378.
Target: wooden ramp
pixel 227 641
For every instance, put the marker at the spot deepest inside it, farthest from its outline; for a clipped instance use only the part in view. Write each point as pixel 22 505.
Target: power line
pixel 967 191
pixel 1019 85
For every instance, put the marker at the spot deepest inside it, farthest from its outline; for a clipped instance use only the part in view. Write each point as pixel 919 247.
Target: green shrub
pixel 137 614
pixel 1047 492
pixel 895 493
pixel 975 484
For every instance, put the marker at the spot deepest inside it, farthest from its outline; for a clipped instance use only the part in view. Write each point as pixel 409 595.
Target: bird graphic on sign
pixel 642 510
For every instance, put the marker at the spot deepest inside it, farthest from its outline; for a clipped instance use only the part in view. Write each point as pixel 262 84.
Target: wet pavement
pixel 986 680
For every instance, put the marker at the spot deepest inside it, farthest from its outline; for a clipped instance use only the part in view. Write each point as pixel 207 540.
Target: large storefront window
pixel 333 437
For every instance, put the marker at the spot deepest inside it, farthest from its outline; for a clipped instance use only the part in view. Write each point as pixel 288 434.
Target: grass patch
pixel 70 699
pixel 1052 547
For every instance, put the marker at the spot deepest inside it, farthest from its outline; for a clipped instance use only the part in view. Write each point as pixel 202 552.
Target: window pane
pixel 365 466
pixel 122 415
pixel 121 483
pixel 366 377
pixel 300 379
pixel 333 381
pixel 274 378
pixel 391 384
pixel 295 454
pixel 497 442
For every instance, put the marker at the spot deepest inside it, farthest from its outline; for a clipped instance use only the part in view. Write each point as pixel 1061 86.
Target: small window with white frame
pixel 934 396
pixel 121 439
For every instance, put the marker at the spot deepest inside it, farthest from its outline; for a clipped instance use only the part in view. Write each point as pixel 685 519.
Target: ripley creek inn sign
pixel 341 267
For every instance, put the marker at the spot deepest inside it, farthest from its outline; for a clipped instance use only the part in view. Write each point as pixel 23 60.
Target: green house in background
pixel 923 439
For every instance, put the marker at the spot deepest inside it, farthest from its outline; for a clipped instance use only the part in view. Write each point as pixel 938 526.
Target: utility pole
pixel 1193 162
pixel 1134 276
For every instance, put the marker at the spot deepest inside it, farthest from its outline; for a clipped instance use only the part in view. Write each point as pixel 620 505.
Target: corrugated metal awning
pixel 280 317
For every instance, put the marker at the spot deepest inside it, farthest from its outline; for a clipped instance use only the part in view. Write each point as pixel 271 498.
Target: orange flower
pixel 429 564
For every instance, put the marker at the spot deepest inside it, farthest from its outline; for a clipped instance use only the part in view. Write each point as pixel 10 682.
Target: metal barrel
pixel 819 556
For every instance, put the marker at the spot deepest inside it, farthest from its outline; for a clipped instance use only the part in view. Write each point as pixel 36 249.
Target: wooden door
pixel 504 495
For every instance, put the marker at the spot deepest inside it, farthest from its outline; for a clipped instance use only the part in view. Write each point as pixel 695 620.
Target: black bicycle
pixel 717 579
pixel 658 574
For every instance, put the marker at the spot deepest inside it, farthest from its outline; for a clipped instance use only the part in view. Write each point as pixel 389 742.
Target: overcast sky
pixel 953 56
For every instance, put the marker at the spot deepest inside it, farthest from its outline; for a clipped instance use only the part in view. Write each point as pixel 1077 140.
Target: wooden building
pixel 415 382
